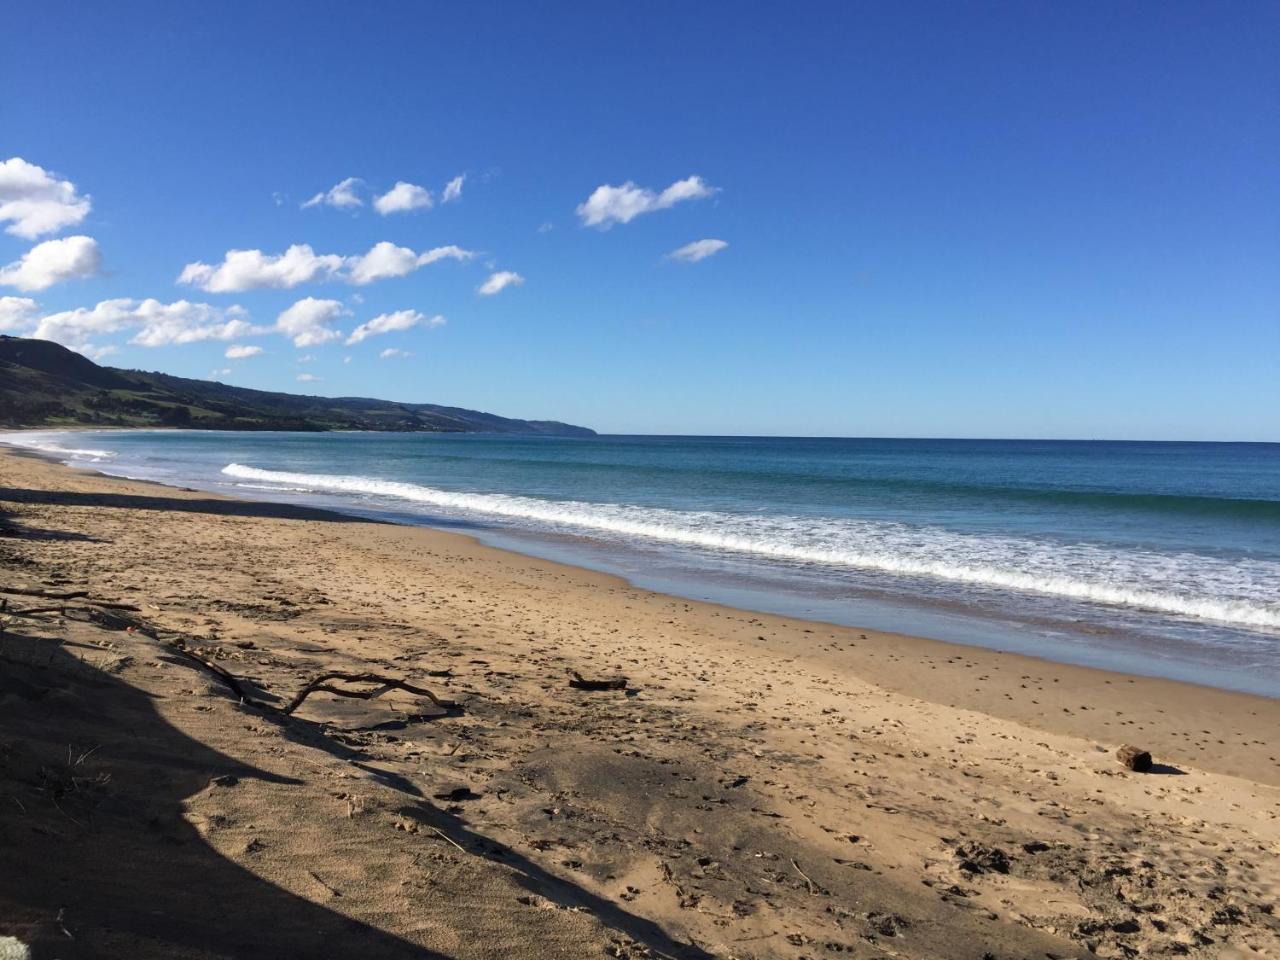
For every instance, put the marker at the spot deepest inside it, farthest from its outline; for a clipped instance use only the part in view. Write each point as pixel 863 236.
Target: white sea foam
pixel 45 444
pixel 1185 584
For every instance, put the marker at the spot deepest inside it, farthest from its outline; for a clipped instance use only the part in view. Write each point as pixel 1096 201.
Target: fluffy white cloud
pixel 383 260
pixel 393 352
pixel 18 313
pixel 157 324
pixel 453 189
pixel 392 322
pixel 240 352
pixel 609 205
pixel 402 198
pixel 498 282
pixel 184 322
pixel 387 260
pixel 252 269
pixel 35 202
pixel 308 321
pixel 341 195
pixel 309 378
pixel 698 250
pixel 52 262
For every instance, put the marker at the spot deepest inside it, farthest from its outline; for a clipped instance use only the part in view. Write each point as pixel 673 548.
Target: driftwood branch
pixel 45 594
pixel 383 684
pixel 579 682
pixel 96 611
pixel 226 676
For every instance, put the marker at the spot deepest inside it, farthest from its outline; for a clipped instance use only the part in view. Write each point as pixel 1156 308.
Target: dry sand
pixel 766 787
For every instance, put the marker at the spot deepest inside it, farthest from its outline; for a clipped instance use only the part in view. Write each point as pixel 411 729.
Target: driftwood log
pixel 1135 758
pixel 579 682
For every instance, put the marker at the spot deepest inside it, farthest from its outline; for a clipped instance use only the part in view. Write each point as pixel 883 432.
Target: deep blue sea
pixel 1155 558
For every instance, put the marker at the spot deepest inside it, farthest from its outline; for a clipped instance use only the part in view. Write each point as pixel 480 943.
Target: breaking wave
pixel 1184 584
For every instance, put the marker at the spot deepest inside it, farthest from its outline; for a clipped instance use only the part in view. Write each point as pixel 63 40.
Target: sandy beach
pixel 762 787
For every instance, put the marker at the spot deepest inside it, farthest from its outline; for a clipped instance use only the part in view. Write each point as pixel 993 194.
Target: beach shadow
pixel 99 858
pixel 133 501
pixel 1167 770
pixel 534 878
pixel 13 529
pixel 110 859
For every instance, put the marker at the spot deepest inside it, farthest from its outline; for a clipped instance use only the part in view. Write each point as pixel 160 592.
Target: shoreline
pixel 765 786
pixel 942 648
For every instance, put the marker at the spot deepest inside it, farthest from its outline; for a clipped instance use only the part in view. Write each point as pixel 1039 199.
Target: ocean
pixel 1153 558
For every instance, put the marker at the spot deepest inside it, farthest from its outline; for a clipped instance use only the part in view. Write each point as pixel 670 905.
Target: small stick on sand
pixel 813 887
pixel 446 838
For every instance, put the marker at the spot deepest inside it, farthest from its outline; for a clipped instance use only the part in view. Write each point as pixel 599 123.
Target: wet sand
pixel 764 787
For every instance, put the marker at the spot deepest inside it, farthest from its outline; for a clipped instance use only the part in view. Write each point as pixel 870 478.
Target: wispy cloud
pixel 392 353
pixel 68 258
pixel 453 189
pixel 498 282
pixel 698 250
pixel 34 201
pixel 241 352
pixel 608 205
pixel 309 378
pixel 341 195
pixel 391 323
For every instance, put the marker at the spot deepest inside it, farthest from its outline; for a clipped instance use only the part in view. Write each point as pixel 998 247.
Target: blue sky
pixel 940 219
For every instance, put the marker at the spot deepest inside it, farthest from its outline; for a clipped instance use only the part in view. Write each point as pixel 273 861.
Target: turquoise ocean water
pixel 1157 558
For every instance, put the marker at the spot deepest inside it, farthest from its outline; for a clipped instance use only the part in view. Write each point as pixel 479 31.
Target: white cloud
pixel 157 324
pixel 341 195
pixel 309 378
pixel 383 260
pixel 453 189
pixel 244 270
pixel 392 352
pixel 35 202
pixel 346 359
pixel 252 269
pixel 241 352
pixel 307 321
pixel 17 313
pixel 402 198
pixel 546 227
pixel 387 260
pixel 52 262
pixel 451 252
pixel 498 282
pixel 306 359
pixel 609 205
pixel 698 250
pixel 184 322
pixel 392 322
pixel 224 372
pixel 94 352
